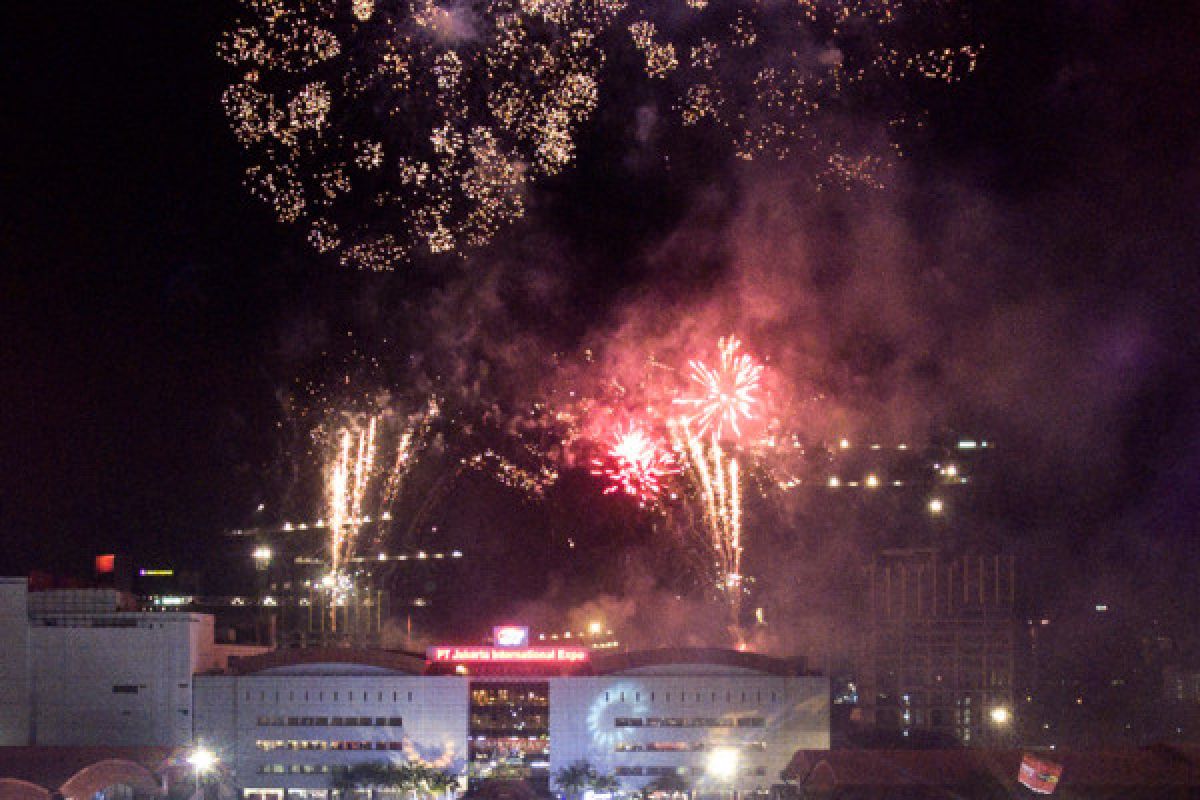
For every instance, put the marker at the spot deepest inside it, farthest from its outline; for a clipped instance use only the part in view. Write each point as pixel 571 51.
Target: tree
pixel 605 783
pixel 672 782
pixel 406 777
pixel 576 777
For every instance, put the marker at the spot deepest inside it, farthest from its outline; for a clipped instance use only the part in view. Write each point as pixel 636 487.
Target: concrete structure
pixel 287 723
pixel 76 670
pixel 941 646
pixel 14 665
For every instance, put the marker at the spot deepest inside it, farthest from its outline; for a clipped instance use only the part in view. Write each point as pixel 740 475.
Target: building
pixel 78 669
pixel 941 646
pixel 1126 773
pixel 288 722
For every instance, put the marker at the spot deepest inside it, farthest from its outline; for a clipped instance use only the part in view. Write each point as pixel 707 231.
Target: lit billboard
pixel 456 654
pixel 510 636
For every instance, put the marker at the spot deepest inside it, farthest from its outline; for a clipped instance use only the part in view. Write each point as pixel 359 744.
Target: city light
pixel 202 759
pixel 936 506
pixel 999 715
pixel 262 554
pixel 723 763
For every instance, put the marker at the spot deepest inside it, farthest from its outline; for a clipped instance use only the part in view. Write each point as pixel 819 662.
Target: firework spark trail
pixel 717 479
pixel 728 392
pixel 349 476
pixel 636 465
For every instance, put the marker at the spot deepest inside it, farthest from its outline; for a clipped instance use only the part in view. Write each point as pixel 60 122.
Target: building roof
pixel 336 657
pixel 339 659
pixel 1134 768
pixel 614 663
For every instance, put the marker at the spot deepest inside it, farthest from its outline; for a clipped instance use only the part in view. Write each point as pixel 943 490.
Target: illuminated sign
pixel 156 573
pixel 510 636
pixel 454 654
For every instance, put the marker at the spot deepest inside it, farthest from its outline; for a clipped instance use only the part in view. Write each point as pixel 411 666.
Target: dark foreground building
pixel 1169 773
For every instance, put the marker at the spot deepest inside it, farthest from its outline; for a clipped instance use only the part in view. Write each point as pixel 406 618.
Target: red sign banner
pixel 454 654
pixel 1039 775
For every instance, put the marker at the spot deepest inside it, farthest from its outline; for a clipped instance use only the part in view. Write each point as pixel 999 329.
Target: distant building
pixel 78 668
pixel 941 646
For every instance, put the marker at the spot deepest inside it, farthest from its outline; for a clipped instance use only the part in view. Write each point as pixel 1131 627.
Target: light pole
pixel 202 760
pixel 723 765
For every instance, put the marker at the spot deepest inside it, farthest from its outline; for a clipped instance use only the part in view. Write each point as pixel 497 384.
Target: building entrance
pixel 508 731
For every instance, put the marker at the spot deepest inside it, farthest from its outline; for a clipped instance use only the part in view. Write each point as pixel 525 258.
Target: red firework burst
pixel 636 465
pixel 728 393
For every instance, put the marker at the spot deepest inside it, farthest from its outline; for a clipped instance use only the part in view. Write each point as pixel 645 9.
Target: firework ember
pixel 386 129
pixel 728 393
pixel 636 465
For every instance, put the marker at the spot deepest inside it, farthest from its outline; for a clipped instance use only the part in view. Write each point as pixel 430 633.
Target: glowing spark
pixel 636 465
pixel 717 478
pixel 345 489
pixel 728 393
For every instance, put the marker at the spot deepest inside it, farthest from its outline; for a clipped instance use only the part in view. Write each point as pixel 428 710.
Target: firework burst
pixel 636 465
pixel 727 394
pixel 387 129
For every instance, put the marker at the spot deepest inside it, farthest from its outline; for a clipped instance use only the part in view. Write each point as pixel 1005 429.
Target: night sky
pixel 1030 273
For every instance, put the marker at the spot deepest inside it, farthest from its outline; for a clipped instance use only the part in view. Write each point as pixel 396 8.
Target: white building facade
pixel 76 670
pixel 286 724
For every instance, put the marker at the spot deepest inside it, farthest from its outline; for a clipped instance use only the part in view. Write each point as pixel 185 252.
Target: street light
pixel 1000 715
pixel 202 760
pixel 723 766
pixel 723 763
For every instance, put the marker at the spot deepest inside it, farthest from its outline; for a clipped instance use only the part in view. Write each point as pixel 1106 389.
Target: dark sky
pixel 1043 237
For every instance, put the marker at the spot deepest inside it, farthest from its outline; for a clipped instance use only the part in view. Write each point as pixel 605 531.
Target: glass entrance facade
pixel 508 730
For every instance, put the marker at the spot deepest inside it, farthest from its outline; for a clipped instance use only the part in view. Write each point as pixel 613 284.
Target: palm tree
pixel 673 782
pixel 605 783
pixel 405 777
pixel 573 779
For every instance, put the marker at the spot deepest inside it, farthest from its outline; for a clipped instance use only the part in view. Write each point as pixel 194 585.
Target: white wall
pixel 433 711
pixel 14 662
pixel 584 713
pixel 116 679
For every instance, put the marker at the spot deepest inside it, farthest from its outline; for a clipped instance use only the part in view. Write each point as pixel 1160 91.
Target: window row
pixel 658 770
pixel 694 722
pixel 320 696
pixel 304 769
pixel 320 722
pixel 685 747
pixel 318 744
pixel 699 697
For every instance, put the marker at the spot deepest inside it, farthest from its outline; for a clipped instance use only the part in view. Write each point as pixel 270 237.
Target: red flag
pixel 1039 775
